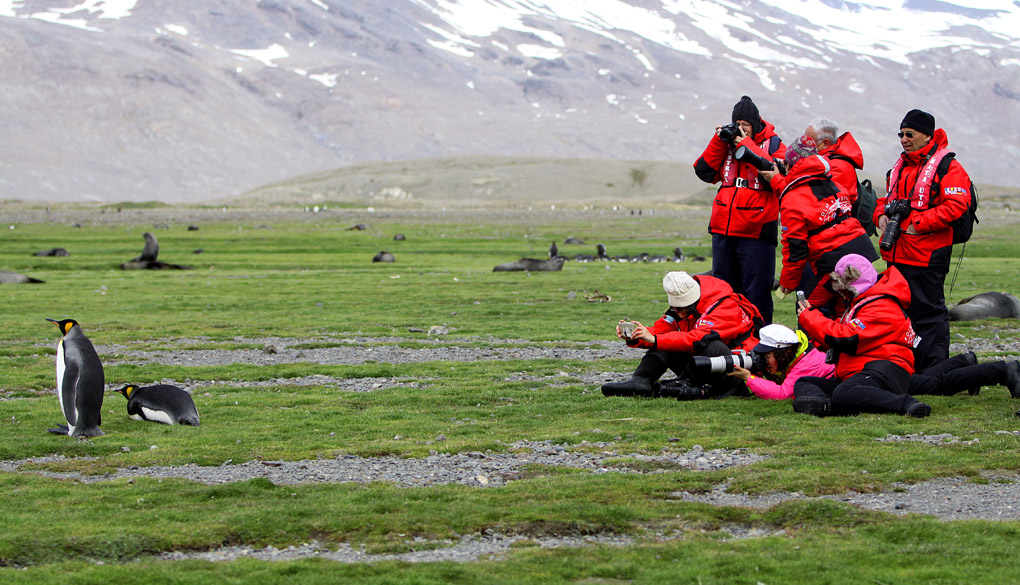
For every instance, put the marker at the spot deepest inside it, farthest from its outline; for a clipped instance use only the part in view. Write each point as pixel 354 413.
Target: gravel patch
pixel 940 439
pixel 474 469
pixel 473 547
pixel 947 498
pixel 354 352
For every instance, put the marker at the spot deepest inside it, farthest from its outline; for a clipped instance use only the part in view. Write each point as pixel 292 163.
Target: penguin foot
pixel 60 430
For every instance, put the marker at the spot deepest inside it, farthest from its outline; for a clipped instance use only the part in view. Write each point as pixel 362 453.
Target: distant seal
pixel 399 238
pixel 531 265
pixel 80 382
pixel 53 252
pixel 359 227
pixel 383 256
pixel 573 240
pixel 986 305
pixel 8 277
pixel 161 403
pixel 147 259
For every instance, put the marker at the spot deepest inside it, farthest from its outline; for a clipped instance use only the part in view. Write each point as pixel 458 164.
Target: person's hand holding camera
pixel 739 372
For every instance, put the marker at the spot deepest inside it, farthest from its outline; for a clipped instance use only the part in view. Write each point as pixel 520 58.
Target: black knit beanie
pixel 746 110
pixel 919 120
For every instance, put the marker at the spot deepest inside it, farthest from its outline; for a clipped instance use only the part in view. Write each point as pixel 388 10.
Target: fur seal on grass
pixel 987 305
pixel 147 259
pixel 383 256
pixel 8 277
pixel 161 403
pixel 531 265
pixel 53 252
pixel 80 382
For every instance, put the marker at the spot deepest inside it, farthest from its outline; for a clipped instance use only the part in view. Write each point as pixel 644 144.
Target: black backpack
pixel 963 226
pixel 864 206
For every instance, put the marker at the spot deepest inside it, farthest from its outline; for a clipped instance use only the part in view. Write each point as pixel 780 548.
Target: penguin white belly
pixel 157 416
pixel 60 384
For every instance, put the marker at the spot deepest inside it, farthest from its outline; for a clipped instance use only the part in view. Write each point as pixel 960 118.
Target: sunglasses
pixel 908 134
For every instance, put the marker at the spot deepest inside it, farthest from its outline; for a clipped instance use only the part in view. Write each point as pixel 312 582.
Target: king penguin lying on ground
pixel 80 382
pixel 160 403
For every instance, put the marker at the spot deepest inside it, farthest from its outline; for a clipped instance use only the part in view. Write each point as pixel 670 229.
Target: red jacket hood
pixel 847 147
pixel 892 283
pixel 814 165
pixel 712 289
pixel 767 131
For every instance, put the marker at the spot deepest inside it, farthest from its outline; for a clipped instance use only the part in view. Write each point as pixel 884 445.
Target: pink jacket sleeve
pixel 812 364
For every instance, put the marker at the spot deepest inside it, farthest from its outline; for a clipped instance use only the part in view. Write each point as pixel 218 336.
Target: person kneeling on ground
pixel 871 345
pixel 705 318
pixel 786 356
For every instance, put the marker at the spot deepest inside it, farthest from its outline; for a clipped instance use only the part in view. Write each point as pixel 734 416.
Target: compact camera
pixel 627 328
pixel 724 364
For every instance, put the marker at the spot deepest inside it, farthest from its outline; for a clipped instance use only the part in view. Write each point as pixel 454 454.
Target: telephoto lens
pixel 723 364
pixel 744 154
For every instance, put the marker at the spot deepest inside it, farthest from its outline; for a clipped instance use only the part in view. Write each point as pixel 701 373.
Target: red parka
pixel 745 204
pixel 875 327
pixel 932 245
pixel 845 159
pixel 719 310
pixel 816 224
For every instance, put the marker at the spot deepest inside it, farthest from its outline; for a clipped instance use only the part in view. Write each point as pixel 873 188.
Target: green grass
pixel 314 279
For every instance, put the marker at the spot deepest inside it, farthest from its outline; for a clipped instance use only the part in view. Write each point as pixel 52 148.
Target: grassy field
pixel 303 276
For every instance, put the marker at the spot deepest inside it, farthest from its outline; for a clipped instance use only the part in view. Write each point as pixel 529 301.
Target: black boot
pixel 815 405
pixel 642 381
pixel 680 389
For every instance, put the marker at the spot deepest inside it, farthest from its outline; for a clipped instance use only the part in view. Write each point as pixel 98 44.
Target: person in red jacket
pixel 743 224
pixel 928 202
pixel 705 318
pixel 871 345
pixel 840 150
pixel 817 228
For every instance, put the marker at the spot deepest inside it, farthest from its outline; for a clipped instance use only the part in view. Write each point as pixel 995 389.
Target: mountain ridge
pixel 190 101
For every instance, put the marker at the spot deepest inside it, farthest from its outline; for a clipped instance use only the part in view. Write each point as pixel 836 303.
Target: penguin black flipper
pixel 66 390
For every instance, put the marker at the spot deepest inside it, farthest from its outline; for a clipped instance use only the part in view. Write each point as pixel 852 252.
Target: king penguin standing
pixel 80 382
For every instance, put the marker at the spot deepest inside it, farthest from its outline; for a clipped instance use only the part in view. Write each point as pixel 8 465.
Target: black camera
pixel 745 154
pixel 896 210
pixel 728 132
pixel 724 364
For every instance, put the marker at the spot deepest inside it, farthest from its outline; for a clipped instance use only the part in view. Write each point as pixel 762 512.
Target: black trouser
pixel 956 375
pixel 719 385
pixel 749 266
pixel 880 387
pixel 928 313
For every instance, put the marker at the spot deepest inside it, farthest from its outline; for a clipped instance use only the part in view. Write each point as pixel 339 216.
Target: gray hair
pixel 826 129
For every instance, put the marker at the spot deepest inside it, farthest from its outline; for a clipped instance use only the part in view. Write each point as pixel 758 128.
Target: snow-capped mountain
pixel 189 100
